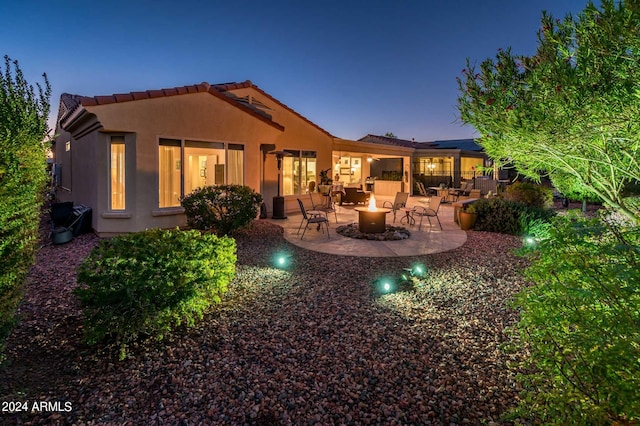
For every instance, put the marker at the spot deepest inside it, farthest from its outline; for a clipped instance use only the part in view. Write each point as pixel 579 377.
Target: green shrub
pixel 221 208
pixel 530 194
pixel 23 126
pixel 580 322
pixel 510 217
pixel 145 284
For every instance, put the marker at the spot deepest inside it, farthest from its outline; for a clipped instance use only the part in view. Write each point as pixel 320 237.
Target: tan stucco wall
pixel 299 135
pixel 200 116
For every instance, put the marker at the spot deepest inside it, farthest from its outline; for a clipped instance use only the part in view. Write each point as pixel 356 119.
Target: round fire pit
pixel 372 221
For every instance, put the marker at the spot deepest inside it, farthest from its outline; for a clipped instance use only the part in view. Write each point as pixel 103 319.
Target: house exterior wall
pixel 299 134
pixel 199 116
pixel 78 180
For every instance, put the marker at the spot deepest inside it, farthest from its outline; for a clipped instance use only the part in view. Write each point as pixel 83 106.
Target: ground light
pixel 384 285
pixel 282 260
pixel 529 241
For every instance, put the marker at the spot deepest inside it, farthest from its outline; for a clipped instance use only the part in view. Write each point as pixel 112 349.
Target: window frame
pixel 116 140
pixel 183 143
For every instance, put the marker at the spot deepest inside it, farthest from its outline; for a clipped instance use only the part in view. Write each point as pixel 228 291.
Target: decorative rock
pixel 390 234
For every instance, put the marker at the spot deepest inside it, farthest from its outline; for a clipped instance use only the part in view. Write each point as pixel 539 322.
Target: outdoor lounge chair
pixel 428 212
pixel 354 196
pixel 399 202
pixel 308 219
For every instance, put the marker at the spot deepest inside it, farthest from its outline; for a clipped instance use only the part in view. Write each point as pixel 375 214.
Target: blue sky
pixel 353 67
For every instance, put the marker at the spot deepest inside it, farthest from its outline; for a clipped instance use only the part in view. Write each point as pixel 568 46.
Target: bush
pixel 579 323
pixel 221 208
pixel 530 194
pixel 145 284
pixel 23 126
pixel 510 217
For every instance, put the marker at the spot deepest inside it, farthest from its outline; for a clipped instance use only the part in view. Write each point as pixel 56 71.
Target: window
pixel 117 163
pixel 169 172
pixel 187 165
pixel 235 173
pixel 204 164
pixel 297 171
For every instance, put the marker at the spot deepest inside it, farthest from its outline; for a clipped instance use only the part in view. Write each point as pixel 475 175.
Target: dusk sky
pixel 351 67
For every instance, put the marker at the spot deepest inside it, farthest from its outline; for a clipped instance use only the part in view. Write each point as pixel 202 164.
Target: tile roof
pixel 246 84
pixel 73 102
pixel 388 141
pixel 462 144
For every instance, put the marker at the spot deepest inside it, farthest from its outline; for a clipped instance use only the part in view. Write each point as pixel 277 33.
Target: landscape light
pixel 418 270
pixel 282 260
pixel 384 285
pixel 529 240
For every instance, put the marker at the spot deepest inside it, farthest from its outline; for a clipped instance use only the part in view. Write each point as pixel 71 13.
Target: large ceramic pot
pixel 467 220
pixel 324 189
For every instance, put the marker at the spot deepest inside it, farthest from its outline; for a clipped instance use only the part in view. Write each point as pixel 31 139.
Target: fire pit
pixel 372 220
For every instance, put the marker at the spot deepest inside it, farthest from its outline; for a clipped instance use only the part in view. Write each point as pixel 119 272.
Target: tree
pixel 390 135
pixel 23 127
pixel 571 110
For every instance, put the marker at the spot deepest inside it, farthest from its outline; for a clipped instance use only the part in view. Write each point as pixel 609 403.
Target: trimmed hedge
pixel 145 284
pixel 221 208
pixel 23 126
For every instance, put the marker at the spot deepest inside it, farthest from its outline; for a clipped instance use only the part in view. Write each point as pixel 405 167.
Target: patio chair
pixel 326 208
pixel 399 202
pixel 428 212
pixel 308 219
pixel 354 196
pixel 423 192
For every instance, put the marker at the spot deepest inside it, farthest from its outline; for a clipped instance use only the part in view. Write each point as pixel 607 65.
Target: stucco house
pixel 131 156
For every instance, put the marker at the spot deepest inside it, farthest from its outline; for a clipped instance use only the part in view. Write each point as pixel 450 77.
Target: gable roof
pixel 225 88
pixel 72 103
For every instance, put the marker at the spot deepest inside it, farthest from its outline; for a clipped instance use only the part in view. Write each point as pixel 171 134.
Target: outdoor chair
pixel 428 212
pixel 422 190
pixel 354 196
pixel 308 219
pixel 399 202
pixel 326 208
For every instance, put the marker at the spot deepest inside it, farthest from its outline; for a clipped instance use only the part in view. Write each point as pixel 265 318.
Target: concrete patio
pixel 428 240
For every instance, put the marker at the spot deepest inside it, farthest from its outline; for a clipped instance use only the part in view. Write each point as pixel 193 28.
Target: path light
pixel 282 260
pixel 384 285
pixel 418 270
pixel 529 241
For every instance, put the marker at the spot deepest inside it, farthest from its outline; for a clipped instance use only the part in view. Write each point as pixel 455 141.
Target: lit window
pixel 185 166
pixel 117 173
pixel 297 171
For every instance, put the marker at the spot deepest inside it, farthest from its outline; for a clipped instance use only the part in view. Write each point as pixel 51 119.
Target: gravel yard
pixel 312 344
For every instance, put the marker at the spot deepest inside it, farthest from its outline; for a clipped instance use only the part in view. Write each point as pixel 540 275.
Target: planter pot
pixel 324 189
pixel 467 220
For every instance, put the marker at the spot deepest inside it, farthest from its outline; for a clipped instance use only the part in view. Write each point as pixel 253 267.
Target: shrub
pixel 23 126
pixel 146 283
pixel 579 322
pixel 509 217
pixel 221 208
pixel 530 194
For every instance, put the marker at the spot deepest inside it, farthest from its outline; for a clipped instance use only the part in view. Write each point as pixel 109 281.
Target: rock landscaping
pixel 310 344
pixel 391 233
